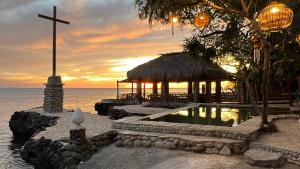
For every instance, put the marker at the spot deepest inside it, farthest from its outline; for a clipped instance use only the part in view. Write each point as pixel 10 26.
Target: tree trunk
pixel 264 118
pixel 290 92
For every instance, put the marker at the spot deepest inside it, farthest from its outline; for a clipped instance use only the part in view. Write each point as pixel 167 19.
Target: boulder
pixel 263 158
pixel 225 151
pixel 25 124
pixel 42 153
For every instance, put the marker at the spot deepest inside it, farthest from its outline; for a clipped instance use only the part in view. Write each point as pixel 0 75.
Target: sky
pixel 105 40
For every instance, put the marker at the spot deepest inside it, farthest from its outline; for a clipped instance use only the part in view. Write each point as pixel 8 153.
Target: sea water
pixel 12 100
pixel 16 99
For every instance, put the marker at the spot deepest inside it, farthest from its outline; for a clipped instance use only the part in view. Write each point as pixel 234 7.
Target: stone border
pixel 291 156
pixel 247 130
pixel 196 144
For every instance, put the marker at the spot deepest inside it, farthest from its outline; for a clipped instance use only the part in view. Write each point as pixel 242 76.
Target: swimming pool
pixel 217 116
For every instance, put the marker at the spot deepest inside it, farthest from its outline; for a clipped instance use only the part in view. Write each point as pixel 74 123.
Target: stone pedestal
pixel 78 136
pixel 54 95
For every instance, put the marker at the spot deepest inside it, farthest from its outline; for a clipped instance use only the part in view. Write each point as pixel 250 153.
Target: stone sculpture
pixel 77 117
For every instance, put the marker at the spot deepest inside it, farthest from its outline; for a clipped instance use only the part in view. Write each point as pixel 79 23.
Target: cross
pixel 54 19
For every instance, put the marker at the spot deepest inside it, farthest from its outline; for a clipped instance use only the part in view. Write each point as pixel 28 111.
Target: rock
pixel 78 136
pixel 263 158
pixel 42 153
pixel 169 145
pixel 197 149
pixel 116 114
pixel 209 145
pixel 137 143
pixel 119 143
pixel 225 151
pixel 25 124
pixel 159 144
pixel 106 105
pixel 182 144
pixel 146 143
pixel 211 151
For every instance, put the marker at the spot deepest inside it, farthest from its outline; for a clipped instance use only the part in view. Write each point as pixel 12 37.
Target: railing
pixel 179 97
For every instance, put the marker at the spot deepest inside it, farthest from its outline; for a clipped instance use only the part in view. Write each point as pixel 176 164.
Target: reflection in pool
pixel 209 116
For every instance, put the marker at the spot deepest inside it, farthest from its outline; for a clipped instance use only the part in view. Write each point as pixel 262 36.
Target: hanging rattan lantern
pixel 275 16
pixel 298 38
pixel 202 20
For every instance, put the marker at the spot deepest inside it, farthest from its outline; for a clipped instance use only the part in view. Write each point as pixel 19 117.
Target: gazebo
pixel 179 67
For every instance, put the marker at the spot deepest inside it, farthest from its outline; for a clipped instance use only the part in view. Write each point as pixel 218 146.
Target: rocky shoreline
pixel 48 154
pixel 45 153
pixel 24 124
pixel 106 108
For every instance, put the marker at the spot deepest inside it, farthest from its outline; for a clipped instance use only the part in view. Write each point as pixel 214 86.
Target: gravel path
pixel 112 157
pixel 287 137
pixel 93 123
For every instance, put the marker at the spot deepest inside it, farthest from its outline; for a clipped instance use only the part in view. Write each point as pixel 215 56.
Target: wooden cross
pixel 54 19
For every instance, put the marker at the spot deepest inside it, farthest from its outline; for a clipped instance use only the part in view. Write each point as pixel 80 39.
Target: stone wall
pixel 53 95
pixel 291 156
pixel 188 129
pixel 213 146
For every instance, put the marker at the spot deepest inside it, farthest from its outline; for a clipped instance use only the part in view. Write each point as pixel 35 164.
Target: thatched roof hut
pixel 178 67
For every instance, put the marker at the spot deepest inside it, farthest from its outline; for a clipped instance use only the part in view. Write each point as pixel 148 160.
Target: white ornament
pixel 77 117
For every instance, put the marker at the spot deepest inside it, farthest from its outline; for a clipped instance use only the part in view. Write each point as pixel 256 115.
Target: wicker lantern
pixel 275 16
pixel 298 38
pixel 202 20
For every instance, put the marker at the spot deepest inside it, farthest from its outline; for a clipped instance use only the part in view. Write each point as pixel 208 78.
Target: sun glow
pixel 123 65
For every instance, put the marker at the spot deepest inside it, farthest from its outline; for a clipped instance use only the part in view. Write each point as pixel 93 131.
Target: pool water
pixel 217 116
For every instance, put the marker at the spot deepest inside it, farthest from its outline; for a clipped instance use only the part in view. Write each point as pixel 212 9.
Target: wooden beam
pixel 52 19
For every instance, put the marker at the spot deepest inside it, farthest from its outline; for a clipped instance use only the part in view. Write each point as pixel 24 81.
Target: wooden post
pixel 164 90
pixel 208 91
pixel 154 89
pixel 144 93
pixel 132 88
pixel 218 91
pixel 196 91
pixel 139 91
pixel 190 90
pixel 203 89
pixel 117 89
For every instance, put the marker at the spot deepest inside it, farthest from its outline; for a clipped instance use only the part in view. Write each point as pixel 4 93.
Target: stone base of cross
pixel 53 95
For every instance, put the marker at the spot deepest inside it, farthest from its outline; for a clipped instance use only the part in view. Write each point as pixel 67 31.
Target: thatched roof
pixel 178 67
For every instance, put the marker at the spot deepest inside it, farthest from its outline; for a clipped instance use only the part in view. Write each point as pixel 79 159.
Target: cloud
pixel 100 31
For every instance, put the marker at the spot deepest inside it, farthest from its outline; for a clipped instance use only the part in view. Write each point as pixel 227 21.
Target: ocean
pixel 12 100
pixel 16 99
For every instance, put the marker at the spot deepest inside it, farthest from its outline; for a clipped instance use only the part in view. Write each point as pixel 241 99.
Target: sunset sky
pixel 104 41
